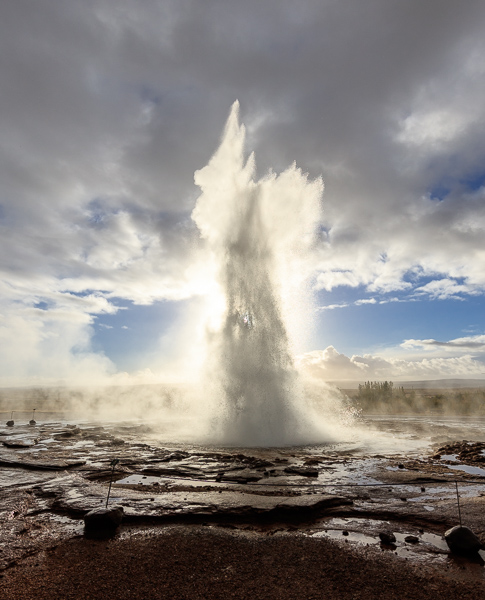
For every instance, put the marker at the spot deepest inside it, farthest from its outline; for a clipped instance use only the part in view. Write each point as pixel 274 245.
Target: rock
pixel 240 476
pixel 40 465
pixel 462 540
pixel 387 537
pixel 177 456
pixel 16 442
pixel 311 462
pixel 116 442
pixel 411 539
pixel 67 434
pixel 103 520
pixel 304 471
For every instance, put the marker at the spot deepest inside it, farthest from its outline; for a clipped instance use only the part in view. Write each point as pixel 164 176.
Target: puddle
pixel 366 532
pixel 445 493
pixel 140 480
pixel 468 469
pixel 430 547
pixel 453 457
pixel 337 534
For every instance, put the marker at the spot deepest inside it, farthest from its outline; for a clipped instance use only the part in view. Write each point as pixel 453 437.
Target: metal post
pixel 113 464
pixel 458 500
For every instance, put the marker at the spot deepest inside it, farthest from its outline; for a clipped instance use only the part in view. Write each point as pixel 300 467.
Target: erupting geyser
pixel 259 233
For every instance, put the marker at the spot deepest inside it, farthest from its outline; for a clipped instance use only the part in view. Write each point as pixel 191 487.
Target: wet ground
pixel 402 476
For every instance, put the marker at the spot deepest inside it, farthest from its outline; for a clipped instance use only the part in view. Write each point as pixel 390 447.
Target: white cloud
pixel 434 127
pixel 347 304
pixel 330 365
pixel 366 301
pixel 333 306
pixel 443 289
pixel 108 111
pixel 456 346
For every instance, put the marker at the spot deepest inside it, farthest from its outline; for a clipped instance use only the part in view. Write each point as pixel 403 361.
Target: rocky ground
pixel 205 523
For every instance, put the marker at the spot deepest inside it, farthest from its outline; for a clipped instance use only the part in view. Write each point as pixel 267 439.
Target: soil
pixel 191 563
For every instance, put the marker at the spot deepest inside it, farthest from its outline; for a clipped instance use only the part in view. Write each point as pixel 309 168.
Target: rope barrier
pixel 326 485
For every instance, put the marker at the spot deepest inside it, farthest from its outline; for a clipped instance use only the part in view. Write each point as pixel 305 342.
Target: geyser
pixel 259 233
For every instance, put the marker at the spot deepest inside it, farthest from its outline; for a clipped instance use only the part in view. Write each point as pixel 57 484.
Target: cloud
pixel 466 343
pixel 330 365
pixel 443 289
pixel 359 302
pixel 108 111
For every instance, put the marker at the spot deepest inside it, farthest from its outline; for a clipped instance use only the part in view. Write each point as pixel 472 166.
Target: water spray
pixel 259 234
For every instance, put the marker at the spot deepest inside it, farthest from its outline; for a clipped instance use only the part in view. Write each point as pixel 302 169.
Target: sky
pixel 107 110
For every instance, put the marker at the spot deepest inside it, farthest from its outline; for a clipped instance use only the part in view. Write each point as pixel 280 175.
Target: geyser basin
pixel 259 234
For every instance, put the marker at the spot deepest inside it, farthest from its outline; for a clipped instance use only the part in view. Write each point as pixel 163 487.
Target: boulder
pixel 387 537
pixel 462 540
pixel 103 520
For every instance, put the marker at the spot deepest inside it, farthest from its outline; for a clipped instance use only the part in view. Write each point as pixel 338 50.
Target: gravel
pixel 196 562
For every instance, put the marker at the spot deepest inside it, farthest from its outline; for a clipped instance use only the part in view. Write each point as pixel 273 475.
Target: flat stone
pixel 462 540
pixel 241 476
pixel 17 442
pixel 39 465
pixel 304 471
pixel 76 496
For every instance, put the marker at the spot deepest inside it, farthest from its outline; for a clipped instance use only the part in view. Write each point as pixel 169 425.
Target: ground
pixel 218 523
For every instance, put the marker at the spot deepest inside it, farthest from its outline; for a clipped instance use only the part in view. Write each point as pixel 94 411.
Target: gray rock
pixel 103 519
pixel 387 537
pixel 17 442
pixel 462 540
pixel 240 476
pixel 411 539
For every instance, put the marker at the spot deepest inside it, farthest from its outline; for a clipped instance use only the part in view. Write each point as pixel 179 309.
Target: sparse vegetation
pixel 382 397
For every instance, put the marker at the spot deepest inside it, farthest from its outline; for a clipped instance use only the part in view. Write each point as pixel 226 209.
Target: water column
pixel 259 233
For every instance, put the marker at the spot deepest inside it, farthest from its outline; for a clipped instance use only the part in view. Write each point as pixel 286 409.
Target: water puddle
pixel 140 480
pixel 452 457
pixel 365 532
pixel 420 545
pixel 468 469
